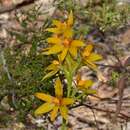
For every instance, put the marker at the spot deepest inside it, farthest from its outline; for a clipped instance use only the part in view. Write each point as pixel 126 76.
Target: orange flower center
pixel 66 43
pixel 81 82
pixel 57 101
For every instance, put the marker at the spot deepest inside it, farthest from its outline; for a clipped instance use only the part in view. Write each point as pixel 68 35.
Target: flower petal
pixel 77 43
pixel 46 107
pixel 64 112
pixel 54 113
pixel 53 30
pixel 91 65
pixel 81 82
pixel 50 74
pixel 57 23
pixel 94 57
pixel 58 88
pixel 44 97
pixel 86 85
pixel 54 40
pixel 87 50
pixel 70 19
pixel 73 51
pixel 63 54
pixel 51 67
pixel 90 91
pixel 68 33
pixel 54 49
pixel 67 101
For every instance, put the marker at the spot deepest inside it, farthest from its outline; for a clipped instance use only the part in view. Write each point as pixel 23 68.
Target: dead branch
pixel 120 115
pixel 121 85
pixel 16 5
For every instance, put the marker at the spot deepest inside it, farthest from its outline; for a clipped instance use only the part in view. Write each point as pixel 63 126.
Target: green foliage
pixel 105 15
pixel 108 15
pixel 114 78
pixel 25 65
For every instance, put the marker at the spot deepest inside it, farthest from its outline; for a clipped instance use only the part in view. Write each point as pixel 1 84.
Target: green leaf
pixel 50 74
pixel 90 91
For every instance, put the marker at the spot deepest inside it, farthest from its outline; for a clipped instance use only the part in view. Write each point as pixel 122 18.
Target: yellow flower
pixel 90 57
pixel 63 28
pixel 52 68
pixel 63 46
pixel 83 84
pixel 54 104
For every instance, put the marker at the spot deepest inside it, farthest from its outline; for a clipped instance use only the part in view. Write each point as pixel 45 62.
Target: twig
pixel 94 116
pixel 14 6
pixel 111 66
pixel 106 110
pixel 100 109
pixel 121 66
pixel 5 66
pixel 121 85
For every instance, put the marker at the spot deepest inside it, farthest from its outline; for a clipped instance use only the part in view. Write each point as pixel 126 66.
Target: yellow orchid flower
pixel 84 85
pixel 90 57
pixel 52 68
pixel 63 28
pixel 54 104
pixel 63 46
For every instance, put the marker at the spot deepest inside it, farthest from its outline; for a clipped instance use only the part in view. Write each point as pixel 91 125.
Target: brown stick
pixel 13 6
pixel 103 110
pixel 121 85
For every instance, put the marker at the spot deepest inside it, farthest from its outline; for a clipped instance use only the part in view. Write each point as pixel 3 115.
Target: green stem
pixel 78 97
pixel 69 80
pixel 69 77
pixel 64 126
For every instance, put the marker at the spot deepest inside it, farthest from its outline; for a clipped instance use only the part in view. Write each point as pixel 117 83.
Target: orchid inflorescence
pixel 71 55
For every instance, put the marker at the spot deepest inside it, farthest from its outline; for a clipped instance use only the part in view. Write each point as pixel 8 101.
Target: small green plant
pixel 114 78
pixel 108 15
pixel 105 15
pixel 22 66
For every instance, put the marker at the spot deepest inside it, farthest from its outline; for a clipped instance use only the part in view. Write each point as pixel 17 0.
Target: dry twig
pixel 14 5
pixel 121 85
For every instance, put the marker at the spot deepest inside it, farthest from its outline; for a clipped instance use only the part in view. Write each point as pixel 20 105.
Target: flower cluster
pixel 54 103
pixel 62 41
pixel 71 55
